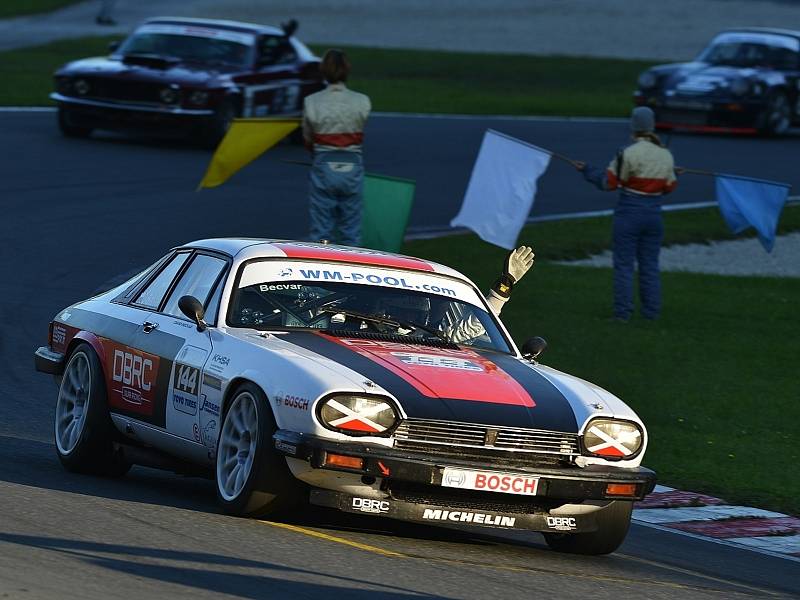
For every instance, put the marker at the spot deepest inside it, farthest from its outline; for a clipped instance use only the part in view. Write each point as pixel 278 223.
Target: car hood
pixel 153 69
pixel 465 384
pixel 700 77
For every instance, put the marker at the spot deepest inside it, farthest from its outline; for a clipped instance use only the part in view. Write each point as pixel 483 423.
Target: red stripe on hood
pixel 443 373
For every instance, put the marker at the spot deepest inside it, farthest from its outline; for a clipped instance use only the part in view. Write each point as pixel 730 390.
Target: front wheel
pixel 776 118
pixel 613 522
pixel 83 428
pixel 68 127
pixel 253 479
pixel 218 124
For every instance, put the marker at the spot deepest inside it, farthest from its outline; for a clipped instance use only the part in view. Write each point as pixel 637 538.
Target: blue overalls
pixel 336 182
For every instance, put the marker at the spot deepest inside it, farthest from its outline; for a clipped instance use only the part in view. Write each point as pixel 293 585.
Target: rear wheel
pixel 252 478
pixel 776 118
pixel 83 428
pixel 68 126
pixel 613 522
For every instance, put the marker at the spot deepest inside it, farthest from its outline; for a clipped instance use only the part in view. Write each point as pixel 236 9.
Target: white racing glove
pixel 518 262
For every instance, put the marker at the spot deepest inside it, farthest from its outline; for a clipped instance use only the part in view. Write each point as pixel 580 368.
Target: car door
pixel 192 401
pixel 274 88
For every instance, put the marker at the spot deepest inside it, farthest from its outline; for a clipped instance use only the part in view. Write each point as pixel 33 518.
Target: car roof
pixel 772 30
pixel 217 24
pixel 252 248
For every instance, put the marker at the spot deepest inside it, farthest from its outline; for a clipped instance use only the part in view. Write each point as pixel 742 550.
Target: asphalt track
pixel 77 214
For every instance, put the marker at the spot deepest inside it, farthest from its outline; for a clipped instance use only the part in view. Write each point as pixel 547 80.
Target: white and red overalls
pixel 333 125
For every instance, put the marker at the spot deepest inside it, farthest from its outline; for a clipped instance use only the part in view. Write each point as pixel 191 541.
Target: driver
pixel 455 325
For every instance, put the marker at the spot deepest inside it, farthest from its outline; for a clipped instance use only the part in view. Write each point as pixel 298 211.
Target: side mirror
pixel 533 348
pixel 113 46
pixel 192 308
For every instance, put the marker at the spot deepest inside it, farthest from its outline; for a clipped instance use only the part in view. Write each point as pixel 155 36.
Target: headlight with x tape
pixel 358 415
pixel 613 439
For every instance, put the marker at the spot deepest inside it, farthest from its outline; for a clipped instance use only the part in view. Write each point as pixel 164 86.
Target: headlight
pixel 647 80
pixel 739 87
pixel 168 95
pixel 81 87
pixel 612 439
pixel 198 97
pixel 358 415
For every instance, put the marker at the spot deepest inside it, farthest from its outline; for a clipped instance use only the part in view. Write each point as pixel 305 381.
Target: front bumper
pixel 411 483
pixel 48 361
pixel 119 114
pixel 732 115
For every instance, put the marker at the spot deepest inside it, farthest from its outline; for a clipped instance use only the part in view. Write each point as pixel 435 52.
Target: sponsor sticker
pixel 562 523
pixel 416 359
pixel 286 447
pixel 298 402
pixel 370 505
pixel 59 334
pixel 209 407
pixel 490 481
pixel 184 403
pixel 209 434
pixel 133 377
pixel 218 363
pixel 463 516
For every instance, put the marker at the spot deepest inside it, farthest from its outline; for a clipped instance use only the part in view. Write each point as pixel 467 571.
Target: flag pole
pixel 696 171
pixel 290 161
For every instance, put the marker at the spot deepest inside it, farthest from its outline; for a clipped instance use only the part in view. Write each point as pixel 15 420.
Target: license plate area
pixel 490 481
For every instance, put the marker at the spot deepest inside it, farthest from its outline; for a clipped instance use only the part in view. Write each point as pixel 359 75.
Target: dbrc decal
pixel 562 523
pixel 432 360
pixel 459 516
pixel 488 481
pixel 369 505
pixel 133 377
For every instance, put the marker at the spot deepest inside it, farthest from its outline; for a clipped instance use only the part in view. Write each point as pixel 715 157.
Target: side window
pixel 213 305
pixel 275 50
pixel 150 297
pixel 196 281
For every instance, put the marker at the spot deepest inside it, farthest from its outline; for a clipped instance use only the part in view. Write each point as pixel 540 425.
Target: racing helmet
pixel 407 307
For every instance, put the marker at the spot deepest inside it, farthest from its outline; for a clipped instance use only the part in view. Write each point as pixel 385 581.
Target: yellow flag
pixel 246 140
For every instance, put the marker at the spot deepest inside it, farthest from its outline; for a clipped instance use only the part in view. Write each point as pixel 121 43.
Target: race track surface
pixel 77 215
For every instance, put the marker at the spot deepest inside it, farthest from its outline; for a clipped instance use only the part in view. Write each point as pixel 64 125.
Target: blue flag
pixel 746 202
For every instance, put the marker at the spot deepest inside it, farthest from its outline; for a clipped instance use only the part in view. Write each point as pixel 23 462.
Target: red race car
pixel 188 75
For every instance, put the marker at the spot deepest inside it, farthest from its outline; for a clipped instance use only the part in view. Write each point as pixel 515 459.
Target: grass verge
pixel 715 379
pixel 404 80
pixel 16 8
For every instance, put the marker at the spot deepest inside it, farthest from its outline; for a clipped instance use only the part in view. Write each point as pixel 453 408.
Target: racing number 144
pixel 186 379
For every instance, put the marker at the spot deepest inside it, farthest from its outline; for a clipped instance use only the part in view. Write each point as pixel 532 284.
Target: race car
pixel 359 380
pixel 745 81
pixel 188 76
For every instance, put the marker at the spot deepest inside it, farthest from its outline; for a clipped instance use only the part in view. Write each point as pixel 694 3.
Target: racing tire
pixel 253 479
pixel 84 433
pixel 218 125
pixel 776 118
pixel 613 522
pixel 68 127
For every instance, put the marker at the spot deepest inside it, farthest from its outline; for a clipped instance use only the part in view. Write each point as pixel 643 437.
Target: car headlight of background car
pixel 612 438
pixel 198 97
pixel 739 87
pixel 169 95
pixel 355 414
pixel 647 80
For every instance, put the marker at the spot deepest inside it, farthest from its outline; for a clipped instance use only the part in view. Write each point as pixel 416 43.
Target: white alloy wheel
pixel 73 403
pixel 237 446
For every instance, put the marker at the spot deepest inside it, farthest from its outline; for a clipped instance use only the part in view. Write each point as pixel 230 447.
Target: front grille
pixel 131 91
pixel 422 434
pixel 683 117
pixel 469 499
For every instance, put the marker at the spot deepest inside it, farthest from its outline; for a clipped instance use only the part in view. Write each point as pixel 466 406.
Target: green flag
pixel 387 204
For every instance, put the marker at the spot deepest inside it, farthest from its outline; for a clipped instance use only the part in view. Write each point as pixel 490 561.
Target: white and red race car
pixel 354 379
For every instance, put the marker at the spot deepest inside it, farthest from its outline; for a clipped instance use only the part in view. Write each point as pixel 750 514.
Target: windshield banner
pixel 197 31
pixel 767 39
pixel 266 272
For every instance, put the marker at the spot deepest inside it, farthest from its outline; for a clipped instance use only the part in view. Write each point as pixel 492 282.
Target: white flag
pixel 501 189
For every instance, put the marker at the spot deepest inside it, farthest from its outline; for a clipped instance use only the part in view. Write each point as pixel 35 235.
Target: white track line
pixel 700 513
pixel 27 109
pixel 721 542
pixel 773 543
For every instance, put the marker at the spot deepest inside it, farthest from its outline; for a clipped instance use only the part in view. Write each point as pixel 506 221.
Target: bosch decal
pixel 562 523
pixel 292 401
pixel 463 516
pixel 369 505
pixel 488 481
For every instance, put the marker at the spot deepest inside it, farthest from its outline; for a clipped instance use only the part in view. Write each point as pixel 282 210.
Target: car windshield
pixel 429 316
pixel 206 48
pixel 751 51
